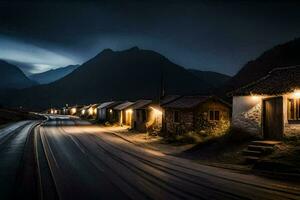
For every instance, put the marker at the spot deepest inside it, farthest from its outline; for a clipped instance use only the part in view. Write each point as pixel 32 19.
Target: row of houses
pixel 268 107
pixel 173 114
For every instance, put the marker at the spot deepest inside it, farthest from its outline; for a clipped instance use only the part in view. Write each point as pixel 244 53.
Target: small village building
pixel 196 113
pixel 270 106
pixel 105 111
pixel 83 112
pixel 65 111
pixel 123 113
pixel 92 111
pixel 73 110
pixel 53 111
pixel 145 115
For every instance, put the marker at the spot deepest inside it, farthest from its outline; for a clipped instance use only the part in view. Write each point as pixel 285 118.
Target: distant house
pixel 269 107
pixel 122 113
pixel 92 111
pixel 83 112
pixel 105 111
pixel 145 115
pixel 73 110
pixel 196 113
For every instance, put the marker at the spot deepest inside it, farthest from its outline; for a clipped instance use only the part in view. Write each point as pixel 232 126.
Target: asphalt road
pixel 13 140
pixel 75 160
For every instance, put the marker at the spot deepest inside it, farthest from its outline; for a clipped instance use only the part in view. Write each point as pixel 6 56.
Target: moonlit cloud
pixel 40 59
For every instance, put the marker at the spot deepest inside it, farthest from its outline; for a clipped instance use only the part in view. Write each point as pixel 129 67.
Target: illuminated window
pixel 214 115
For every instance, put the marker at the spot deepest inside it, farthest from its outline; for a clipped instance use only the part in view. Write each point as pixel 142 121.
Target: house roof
pixel 140 104
pixel 85 107
pixel 186 102
pixel 124 105
pixel 105 104
pixel 278 81
pixel 168 98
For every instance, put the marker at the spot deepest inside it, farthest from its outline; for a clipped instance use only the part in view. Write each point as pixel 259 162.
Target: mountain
pixel 113 75
pixel 212 78
pixel 12 77
pixel 282 55
pixel 53 74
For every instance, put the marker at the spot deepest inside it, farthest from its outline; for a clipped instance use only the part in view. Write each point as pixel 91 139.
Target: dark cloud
pixel 207 35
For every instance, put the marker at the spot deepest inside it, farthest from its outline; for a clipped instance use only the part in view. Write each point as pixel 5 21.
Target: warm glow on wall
pixel 95 111
pixel 156 111
pixel 255 97
pixel 91 111
pixel 73 111
pixel 296 93
pixel 129 111
pixel 82 112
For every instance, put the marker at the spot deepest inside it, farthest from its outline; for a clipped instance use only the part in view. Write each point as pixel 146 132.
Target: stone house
pixel 270 106
pixel 196 113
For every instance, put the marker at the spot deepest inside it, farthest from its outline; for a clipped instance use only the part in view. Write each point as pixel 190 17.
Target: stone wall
pixel 212 127
pixel 246 114
pixel 197 119
pixel 185 123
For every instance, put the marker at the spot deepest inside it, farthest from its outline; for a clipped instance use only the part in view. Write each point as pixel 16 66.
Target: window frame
pixel 212 115
pixel 293 110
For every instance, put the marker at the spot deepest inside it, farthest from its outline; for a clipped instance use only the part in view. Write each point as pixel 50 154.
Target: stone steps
pixel 247 152
pixel 251 159
pixel 269 143
pixel 257 149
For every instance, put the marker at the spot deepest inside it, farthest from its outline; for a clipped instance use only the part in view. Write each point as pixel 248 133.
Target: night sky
pixel 207 35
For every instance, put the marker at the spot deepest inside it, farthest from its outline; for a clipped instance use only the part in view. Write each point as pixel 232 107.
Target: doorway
pixel 273 118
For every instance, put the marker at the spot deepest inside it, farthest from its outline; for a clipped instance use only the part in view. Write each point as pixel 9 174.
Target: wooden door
pixel 273 118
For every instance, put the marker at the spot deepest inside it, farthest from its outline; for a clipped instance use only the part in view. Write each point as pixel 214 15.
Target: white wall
pixel 246 113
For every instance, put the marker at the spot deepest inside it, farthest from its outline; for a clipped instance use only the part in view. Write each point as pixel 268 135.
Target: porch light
pixel 82 112
pixel 91 111
pixel 110 111
pixel 296 93
pixel 129 111
pixel 73 111
pixel 156 111
pixel 255 97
